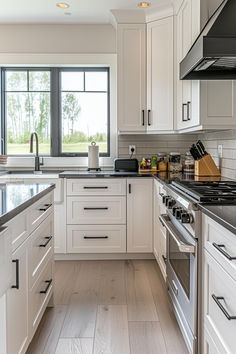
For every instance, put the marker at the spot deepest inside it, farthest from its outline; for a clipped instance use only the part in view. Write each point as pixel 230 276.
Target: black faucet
pixel 37 162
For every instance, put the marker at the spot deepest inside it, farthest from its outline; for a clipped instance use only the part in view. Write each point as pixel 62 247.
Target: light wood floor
pixel 108 307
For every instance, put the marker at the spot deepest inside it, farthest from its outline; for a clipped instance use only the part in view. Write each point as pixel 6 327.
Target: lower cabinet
pixel 140 215
pixel 17 303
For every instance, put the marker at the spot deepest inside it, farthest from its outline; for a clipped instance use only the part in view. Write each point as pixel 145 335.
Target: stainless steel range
pixel 183 224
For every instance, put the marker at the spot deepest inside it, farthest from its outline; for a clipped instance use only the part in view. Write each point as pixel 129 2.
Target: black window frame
pixel 55 108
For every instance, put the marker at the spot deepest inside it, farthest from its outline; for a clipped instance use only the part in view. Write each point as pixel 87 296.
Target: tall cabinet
pixel 145 77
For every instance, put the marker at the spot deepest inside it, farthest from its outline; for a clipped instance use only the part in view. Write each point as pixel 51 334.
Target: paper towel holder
pixel 93 157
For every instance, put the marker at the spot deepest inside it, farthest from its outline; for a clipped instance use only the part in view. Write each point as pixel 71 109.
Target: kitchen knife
pixel 201 152
pixel 192 152
pixel 195 153
pixel 202 147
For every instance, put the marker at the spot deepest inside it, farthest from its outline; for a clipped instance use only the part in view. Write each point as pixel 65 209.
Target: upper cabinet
pixel 131 48
pixel 199 104
pixel 160 59
pixel 145 77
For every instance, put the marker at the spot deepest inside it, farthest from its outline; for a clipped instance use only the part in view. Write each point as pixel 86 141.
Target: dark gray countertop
pixel 16 197
pixel 225 215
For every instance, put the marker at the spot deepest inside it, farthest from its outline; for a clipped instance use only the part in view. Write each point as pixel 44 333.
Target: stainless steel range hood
pixel 213 55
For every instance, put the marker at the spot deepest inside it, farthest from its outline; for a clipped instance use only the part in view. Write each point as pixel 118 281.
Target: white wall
pixel 57 39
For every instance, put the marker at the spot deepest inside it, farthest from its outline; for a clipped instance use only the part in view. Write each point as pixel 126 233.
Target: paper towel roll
pixel 93 156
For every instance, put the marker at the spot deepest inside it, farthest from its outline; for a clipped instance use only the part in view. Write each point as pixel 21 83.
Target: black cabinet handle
pixel 48 282
pixel 149 111
pixel 183 112
pixel 47 206
pixel 95 208
pixel 96 187
pixel 143 117
pixel 95 237
pixel 225 312
pixel 225 254
pixel 47 242
pixel 164 258
pixel 129 188
pixel 188 110
pixel 17 273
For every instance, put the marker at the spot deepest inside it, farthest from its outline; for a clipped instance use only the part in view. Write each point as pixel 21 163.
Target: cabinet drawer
pixel 40 295
pixel 96 210
pixel 96 239
pixel 219 300
pixel 40 248
pixel 18 228
pixel 221 244
pixel 39 211
pixel 96 186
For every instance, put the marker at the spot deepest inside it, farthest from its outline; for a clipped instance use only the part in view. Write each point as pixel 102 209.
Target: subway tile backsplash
pixel 228 140
pixel 150 145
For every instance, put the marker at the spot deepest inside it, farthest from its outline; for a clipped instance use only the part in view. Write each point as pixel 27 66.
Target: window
pixel 27 109
pixel 67 107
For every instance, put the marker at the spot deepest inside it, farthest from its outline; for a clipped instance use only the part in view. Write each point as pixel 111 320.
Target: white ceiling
pixel 82 11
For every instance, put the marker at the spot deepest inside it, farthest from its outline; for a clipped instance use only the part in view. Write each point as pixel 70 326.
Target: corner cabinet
pixel 139 215
pixel 160 75
pixel 131 49
pixel 200 104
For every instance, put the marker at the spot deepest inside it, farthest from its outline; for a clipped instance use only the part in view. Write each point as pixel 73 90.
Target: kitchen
pixel 120 258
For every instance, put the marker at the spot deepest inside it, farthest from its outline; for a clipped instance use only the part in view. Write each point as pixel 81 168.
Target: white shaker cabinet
pixel 139 215
pixel 131 49
pixel 160 76
pixel 199 104
pixel 17 303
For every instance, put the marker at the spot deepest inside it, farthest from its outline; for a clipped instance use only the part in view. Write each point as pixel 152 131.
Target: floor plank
pixel 47 335
pixel 170 329
pixel 75 346
pixel 112 283
pixel 81 314
pixel 141 306
pixel 111 334
pixel 146 337
pixel 66 273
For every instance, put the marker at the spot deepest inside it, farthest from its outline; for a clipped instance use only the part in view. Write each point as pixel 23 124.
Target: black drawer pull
pixel 95 237
pixel 105 187
pixel 219 248
pixel 164 258
pixel 49 282
pixel 188 110
pixel 149 111
pixel 47 206
pixel 17 273
pixel 95 208
pixel 129 188
pixel 47 242
pixel 143 118
pixel 225 312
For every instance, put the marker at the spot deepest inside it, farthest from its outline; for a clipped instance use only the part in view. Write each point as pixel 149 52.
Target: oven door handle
pixel 183 247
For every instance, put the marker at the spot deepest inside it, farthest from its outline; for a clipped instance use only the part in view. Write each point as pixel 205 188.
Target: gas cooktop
pixel 216 192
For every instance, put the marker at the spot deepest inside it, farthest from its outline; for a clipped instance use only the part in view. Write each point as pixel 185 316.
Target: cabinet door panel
pixel 160 74
pixel 139 215
pixel 17 305
pixel 131 42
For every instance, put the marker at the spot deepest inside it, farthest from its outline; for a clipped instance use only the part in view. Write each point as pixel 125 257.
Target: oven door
pixel 181 270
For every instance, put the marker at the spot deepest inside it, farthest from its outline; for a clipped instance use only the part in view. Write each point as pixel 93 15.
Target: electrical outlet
pixel 220 150
pixel 132 149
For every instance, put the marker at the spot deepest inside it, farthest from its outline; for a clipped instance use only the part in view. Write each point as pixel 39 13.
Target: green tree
pixel 70 111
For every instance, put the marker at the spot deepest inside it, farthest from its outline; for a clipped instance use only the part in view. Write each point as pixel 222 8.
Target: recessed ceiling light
pixel 144 4
pixel 62 5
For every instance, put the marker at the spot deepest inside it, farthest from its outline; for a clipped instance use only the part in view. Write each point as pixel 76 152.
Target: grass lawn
pixel 44 149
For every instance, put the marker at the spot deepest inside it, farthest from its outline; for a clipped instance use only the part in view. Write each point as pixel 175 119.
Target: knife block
pixel 206 167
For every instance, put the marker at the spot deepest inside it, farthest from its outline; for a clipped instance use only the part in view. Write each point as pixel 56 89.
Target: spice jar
pixel 188 163
pixel 175 164
pixel 162 161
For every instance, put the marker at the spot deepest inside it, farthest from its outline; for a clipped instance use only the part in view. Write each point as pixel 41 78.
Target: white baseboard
pixel 102 256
